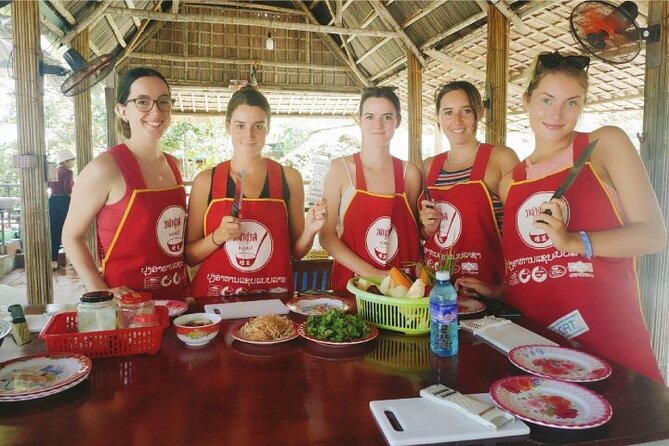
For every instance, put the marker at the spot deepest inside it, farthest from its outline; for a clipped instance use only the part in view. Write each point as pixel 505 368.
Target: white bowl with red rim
pixel 197 329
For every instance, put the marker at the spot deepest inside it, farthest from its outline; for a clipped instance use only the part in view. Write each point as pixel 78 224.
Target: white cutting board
pixel 425 422
pixel 251 308
pixel 509 336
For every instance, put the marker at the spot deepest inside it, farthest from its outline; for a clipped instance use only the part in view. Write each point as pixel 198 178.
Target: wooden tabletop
pixel 296 393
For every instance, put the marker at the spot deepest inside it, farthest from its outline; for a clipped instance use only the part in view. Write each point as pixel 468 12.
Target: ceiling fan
pixel 610 32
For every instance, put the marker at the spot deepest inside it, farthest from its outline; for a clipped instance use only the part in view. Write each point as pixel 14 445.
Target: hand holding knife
pixel 239 195
pixel 573 174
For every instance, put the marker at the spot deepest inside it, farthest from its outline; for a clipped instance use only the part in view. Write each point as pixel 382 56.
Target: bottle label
pixel 443 313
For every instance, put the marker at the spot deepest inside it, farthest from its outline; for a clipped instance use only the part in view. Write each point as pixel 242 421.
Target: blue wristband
pixel 587 245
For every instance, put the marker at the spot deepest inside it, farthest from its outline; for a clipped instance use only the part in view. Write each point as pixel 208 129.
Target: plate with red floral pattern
pixel 551 402
pixel 562 363
pixel 467 305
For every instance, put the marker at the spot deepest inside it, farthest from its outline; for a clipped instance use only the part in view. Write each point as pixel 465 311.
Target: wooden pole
pixel 497 74
pixel 654 269
pixel 83 128
pixel 415 107
pixel 32 151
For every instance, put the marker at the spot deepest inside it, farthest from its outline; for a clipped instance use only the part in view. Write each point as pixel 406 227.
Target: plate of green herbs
pixel 337 328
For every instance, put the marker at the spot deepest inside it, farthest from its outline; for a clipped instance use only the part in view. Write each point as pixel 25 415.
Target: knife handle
pixel 547 212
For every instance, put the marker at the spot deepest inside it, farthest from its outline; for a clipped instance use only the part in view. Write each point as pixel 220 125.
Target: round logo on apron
pixel 531 236
pixel 381 240
pixel 450 227
pixel 170 230
pixel 252 249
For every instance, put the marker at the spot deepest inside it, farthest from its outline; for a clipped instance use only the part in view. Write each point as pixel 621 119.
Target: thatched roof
pixel 326 51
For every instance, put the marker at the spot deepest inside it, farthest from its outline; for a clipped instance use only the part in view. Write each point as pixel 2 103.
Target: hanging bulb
pixel 269 43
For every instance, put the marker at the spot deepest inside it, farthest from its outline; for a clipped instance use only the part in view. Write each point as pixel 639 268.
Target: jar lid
pixel 97 296
pixel 137 297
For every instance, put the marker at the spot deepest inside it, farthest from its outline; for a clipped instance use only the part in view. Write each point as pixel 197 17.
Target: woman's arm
pixel 502 161
pixel 429 215
pixel 302 232
pixel 617 162
pixel 336 181
pixel 199 246
pixel 92 191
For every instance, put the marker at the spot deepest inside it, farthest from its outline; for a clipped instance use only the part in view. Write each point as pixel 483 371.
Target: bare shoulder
pixel 613 143
pixel 504 184
pixel 102 169
pixel 293 177
pixel 203 179
pixel 610 136
pixel 504 155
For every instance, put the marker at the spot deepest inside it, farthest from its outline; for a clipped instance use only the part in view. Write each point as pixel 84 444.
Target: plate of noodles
pixel 265 330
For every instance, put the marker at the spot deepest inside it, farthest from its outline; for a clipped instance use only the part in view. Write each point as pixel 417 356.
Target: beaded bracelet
pixel 587 245
pixel 214 240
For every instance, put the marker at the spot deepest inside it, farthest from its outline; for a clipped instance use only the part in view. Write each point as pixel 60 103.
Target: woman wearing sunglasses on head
pixel 246 215
pixel 371 196
pixel 463 212
pixel 573 269
pixel 135 194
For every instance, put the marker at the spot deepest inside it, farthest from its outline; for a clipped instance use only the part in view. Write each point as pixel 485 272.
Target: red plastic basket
pixel 61 335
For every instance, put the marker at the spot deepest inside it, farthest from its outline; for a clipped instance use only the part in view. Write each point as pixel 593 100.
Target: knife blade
pixel 573 174
pixel 423 179
pixel 239 195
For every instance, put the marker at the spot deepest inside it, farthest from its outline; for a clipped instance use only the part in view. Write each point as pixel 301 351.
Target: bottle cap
pixel 443 275
pixel 16 311
pixel 97 296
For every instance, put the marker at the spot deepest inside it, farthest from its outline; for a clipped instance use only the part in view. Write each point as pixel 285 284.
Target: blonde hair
pixel 537 71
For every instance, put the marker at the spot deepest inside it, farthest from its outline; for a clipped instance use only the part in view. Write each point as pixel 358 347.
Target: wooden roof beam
pixel 314 27
pixel 422 13
pixel 117 33
pixel 245 5
pixel 332 45
pixel 371 16
pixel 512 16
pixel 89 19
pixel 385 15
pixel 373 49
pixel 135 20
pixel 135 39
pixel 256 62
pixel 62 10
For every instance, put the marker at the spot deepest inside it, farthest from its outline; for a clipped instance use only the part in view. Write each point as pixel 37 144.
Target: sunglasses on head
pixel 553 60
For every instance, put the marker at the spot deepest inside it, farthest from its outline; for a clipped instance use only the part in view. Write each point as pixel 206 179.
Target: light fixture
pixel 269 43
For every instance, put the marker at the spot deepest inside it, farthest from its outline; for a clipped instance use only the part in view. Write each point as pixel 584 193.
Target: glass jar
pixel 96 312
pixel 144 320
pixel 134 304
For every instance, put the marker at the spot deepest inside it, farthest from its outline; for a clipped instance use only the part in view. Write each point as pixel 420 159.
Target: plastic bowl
pixel 192 330
pixel 5 328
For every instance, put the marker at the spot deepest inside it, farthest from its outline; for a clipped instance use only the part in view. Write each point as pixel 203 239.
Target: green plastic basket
pixel 410 316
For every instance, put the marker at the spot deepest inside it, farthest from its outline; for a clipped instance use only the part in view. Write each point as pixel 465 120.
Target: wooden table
pixel 297 393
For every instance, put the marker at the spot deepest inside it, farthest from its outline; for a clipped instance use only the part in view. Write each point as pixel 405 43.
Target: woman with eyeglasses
pixel 463 212
pixel 246 215
pixel 573 269
pixel 135 194
pixel 371 196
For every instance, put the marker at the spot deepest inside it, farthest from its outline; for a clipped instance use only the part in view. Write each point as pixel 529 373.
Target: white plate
pixel 551 402
pixel 32 396
pixel 234 332
pixel 315 305
pixel 36 374
pixel 559 362
pixel 467 305
pixel 174 307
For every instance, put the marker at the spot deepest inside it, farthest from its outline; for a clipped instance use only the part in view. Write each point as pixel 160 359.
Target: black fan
pixel 609 32
pixel 86 74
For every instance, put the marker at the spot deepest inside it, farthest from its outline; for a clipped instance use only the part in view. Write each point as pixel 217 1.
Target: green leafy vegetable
pixel 335 326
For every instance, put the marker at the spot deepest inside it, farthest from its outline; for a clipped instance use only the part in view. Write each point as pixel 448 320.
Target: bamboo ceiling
pixel 326 51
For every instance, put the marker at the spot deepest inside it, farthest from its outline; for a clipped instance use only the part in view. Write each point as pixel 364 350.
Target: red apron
pixel 595 301
pixel 477 252
pixel 381 229
pixel 146 253
pixel 257 261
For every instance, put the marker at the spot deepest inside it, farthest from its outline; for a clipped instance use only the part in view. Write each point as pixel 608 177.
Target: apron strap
pixel 128 166
pixel 398 169
pixel 437 163
pixel 481 162
pixel 580 141
pixel 359 174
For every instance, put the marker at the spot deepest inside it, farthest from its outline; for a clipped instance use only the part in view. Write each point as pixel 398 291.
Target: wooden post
pixel 415 107
pixel 654 269
pixel 32 151
pixel 83 128
pixel 497 74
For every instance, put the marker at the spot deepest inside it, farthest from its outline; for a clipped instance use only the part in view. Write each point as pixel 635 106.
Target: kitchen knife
pixel 239 195
pixel 573 173
pixel 423 180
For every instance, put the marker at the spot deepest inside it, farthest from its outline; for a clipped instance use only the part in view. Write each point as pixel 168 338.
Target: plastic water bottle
pixel 443 316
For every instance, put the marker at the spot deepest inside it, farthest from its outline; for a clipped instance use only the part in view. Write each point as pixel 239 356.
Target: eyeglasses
pixel 555 59
pixel 146 104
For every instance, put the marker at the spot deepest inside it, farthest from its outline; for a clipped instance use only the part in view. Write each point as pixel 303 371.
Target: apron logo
pixel 170 230
pixel 531 207
pixel 381 240
pixel 450 226
pixel 252 249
